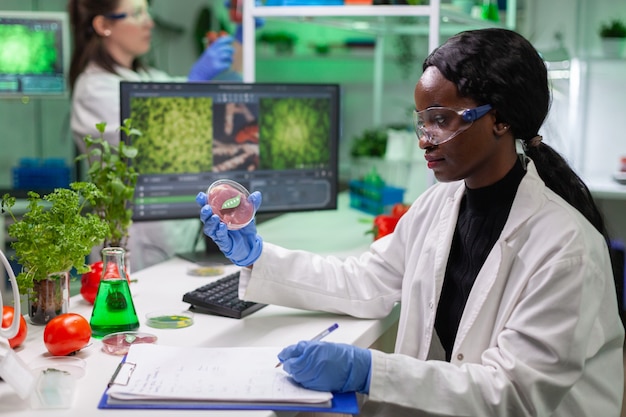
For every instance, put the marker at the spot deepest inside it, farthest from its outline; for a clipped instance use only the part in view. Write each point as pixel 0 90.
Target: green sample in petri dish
pixel 169 320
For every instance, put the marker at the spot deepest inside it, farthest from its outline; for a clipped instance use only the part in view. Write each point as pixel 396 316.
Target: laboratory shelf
pixel 438 20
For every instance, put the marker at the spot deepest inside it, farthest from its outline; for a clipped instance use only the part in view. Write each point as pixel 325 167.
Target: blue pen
pixel 320 336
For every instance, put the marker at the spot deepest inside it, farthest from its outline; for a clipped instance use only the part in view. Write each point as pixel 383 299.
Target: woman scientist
pixel 502 270
pixel 109 38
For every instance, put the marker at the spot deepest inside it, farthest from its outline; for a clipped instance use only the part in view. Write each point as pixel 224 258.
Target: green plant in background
pixel 56 233
pixel 406 58
pixel 613 29
pixel 295 133
pixel 111 173
pixel 371 143
pixel 282 41
pixel 169 125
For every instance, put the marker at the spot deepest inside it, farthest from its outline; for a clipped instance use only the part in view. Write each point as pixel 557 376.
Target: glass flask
pixel 490 10
pixel 113 309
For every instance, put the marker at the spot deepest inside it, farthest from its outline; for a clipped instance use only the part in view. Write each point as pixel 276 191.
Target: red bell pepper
pixel 385 224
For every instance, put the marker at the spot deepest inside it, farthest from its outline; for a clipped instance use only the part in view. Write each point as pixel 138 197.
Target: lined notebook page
pixel 236 374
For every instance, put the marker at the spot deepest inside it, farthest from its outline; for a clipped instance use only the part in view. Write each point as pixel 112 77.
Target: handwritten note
pixel 238 374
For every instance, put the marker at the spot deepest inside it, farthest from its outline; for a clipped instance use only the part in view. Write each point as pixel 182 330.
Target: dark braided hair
pixel 500 67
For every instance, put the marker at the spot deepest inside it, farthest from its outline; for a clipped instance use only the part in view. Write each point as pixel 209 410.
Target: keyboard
pixel 220 297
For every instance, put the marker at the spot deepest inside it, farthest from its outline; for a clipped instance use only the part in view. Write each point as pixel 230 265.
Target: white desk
pixel 606 188
pixel 162 286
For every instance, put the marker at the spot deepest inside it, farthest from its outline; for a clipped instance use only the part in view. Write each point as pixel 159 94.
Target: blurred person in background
pixel 109 39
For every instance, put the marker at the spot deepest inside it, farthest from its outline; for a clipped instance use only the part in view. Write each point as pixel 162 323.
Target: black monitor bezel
pixel 126 87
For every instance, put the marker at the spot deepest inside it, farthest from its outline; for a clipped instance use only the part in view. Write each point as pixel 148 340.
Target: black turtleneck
pixel 482 216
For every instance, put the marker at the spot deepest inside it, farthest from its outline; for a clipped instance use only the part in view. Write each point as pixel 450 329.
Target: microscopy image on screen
pixel 236 139
pixel 281 139
pixel 177 134
pixel 34 54
pixel 28 51
pixel 294 133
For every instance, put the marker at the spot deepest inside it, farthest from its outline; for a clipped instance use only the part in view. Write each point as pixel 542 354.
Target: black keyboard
pixel 220 297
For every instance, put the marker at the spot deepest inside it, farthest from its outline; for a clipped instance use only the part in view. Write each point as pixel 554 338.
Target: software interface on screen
pixel 279 139
pixel 33 54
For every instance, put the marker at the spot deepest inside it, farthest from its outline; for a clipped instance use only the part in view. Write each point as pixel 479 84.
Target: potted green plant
pixel 282 41
pixel 109 170
pixel 613 36
pixel 54 235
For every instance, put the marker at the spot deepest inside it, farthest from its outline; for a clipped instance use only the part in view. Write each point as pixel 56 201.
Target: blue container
pixel 374 200
pixel 34 174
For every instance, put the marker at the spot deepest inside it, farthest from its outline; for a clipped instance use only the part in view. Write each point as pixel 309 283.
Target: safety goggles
pixel 440 124
pixel 139 15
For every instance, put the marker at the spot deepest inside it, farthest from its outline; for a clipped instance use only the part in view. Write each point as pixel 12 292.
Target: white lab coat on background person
pixel 96 99
pixel 540 334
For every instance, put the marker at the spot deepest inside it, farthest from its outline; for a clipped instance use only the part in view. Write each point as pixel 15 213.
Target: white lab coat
pixel 96 99
pixel 540 334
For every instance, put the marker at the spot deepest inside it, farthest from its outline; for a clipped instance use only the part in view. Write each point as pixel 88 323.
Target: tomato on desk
pixel 66 334
pixel 7 318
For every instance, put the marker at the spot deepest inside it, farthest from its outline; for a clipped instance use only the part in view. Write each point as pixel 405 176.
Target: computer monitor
pixel 279 139
pixel 34 54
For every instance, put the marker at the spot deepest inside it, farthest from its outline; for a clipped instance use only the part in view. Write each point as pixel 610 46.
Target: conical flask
pixel 113 310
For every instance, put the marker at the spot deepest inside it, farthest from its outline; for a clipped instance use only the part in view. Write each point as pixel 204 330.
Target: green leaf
pixel 55 233
pixel 130 152
pixel 109 171
pixel 232 202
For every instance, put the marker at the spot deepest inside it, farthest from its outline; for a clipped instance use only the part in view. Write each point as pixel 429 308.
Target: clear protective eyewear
pixel 440 124
pixel 140 15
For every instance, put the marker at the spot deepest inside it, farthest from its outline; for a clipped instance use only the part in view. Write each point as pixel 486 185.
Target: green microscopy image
pixel 294 133
pixel 177 134
pixel 27 51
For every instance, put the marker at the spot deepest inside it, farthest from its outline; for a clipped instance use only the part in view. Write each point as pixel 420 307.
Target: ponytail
pixel 560 178
pixel 501 68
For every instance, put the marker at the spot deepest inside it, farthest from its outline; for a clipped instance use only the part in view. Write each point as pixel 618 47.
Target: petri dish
pixel 118 343
pixel 70 364
pixel 229 200
pixel 169 319
pixel 206 271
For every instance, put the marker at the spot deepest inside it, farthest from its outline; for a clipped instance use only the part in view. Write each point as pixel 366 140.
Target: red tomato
pixel 66 334
pixel 7 319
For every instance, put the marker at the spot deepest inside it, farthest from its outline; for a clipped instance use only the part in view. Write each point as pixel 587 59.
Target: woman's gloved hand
pixel 324 366
pixel 243 247
pixel 217 58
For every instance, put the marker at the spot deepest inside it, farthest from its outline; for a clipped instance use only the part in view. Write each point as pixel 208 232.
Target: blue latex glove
pixel 324 366
pixel 218 57
pixel 243 247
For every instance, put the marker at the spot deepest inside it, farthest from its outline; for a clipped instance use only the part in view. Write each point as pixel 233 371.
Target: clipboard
pixel 342 403
pixel 158 360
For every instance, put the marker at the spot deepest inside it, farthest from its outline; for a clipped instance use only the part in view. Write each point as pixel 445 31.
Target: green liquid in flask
pixel 113 309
